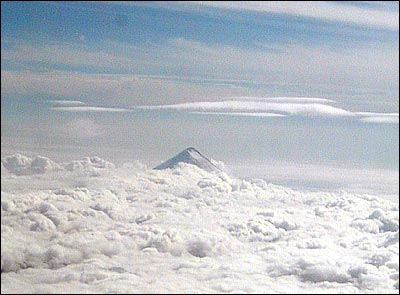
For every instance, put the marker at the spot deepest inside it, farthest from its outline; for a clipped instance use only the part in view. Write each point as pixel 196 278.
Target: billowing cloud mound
pixel 23 165
pixel 135 229
pixel 91 164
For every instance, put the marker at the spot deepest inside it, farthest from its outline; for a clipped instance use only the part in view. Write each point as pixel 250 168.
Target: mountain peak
pixel 190 149
pixel 191 156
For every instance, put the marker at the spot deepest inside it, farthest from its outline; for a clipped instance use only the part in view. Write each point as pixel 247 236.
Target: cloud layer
pixel 134 229
pixel 253 106
pixel 248 106
pixel 270 107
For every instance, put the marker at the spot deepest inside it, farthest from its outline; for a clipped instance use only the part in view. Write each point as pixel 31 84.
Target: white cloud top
pixel 133 229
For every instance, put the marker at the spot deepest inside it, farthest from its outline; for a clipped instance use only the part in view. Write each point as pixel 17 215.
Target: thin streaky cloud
pixel 285 99
pixel 381 119
pixel 119 90
pixel 308 109
pixel 89 109
pixel 265 108
pixel 355 68
pixel 251 109
pixel 66 102
pixel 240 114
pixel 372 114
pixel 323 10
pixel 371 14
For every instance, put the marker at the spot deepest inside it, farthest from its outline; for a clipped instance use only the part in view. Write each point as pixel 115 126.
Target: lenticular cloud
pixel 88 226
pixel 292 108
pixel 276 107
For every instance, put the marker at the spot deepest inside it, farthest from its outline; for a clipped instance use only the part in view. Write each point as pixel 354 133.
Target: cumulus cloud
pixel 137 229
pixel 90 165
pixel 22 165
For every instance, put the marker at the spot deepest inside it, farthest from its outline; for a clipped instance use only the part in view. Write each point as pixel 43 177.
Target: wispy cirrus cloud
pixel 285 99
pixel 89 109
pixel 381 118
pixel 195 70
pixel 112 89
pixel 66 102
pixel 65 54
pixel 376 14
pixel 242 114
pixel 182 57
pixel 372 15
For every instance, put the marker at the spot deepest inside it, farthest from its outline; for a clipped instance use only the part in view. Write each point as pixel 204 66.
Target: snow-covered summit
pixel 193 157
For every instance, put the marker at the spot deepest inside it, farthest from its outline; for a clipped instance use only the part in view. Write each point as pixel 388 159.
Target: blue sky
pixel 259 48
pixel 306 82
